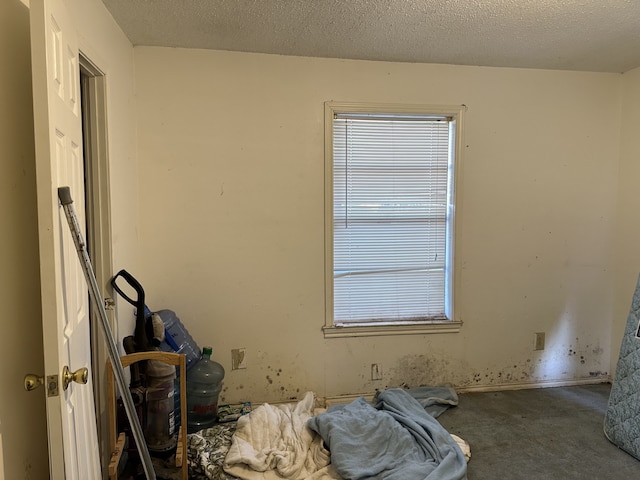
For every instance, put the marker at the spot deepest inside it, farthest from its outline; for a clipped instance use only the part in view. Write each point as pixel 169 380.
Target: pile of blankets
pixel 395 437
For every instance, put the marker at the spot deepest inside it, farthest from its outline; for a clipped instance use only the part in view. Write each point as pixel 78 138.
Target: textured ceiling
pixel 589 35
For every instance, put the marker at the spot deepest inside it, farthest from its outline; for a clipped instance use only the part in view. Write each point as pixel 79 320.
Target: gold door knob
pixel 32 381
pixel 79 376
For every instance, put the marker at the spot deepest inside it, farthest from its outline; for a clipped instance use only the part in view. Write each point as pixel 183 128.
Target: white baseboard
pixel 328 401
pixel 526 386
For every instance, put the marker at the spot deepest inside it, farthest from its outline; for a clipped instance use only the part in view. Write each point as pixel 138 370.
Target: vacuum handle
pixel 139 302
pixel 143 331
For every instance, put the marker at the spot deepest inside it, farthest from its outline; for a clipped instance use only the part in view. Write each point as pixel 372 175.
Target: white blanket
pixel 273 442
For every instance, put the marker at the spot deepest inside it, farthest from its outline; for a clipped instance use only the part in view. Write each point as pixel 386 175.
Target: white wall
pixel 628 219
pixel 231 163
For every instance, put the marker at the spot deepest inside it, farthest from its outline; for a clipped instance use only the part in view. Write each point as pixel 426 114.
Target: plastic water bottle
pixel 177 338
pixel 204 382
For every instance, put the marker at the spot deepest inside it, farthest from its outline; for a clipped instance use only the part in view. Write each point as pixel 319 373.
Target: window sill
pixel 389 329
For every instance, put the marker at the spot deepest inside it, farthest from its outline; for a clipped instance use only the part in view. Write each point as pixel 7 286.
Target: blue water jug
pixel 177 338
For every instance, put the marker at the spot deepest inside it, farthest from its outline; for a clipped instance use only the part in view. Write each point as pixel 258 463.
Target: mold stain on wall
pixel 275 382
pixel 587 359
pixel 421 370
pixel 283 384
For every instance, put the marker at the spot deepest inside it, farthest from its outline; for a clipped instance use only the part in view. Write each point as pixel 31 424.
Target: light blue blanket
pixel 395 439
pixel 435 400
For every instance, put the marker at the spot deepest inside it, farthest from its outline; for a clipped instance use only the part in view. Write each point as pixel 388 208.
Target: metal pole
pixel 64 194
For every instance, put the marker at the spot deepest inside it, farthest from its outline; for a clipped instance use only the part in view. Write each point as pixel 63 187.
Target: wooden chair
pixel 116 442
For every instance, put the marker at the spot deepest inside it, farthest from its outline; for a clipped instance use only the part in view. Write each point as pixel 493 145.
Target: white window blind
pixel 391 198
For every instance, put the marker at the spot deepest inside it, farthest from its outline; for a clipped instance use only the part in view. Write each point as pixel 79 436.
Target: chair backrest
pixel 116 442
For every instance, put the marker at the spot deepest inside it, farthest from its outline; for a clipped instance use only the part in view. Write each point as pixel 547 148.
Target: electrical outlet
pixel 539 341
pixel 238 359
pixel 376 371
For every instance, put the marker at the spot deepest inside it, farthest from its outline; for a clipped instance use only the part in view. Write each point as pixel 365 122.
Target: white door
pixel 71 422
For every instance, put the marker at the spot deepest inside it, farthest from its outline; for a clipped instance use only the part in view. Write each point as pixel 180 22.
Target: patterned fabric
pixel 622 420
pixel 206 451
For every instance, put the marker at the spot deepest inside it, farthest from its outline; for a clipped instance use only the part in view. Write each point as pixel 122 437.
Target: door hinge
pixel 52 386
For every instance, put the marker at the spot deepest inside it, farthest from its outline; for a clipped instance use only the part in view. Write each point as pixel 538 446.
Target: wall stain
pixel 284 385
pixel 568 361
pixel 589 355
pixel 421 370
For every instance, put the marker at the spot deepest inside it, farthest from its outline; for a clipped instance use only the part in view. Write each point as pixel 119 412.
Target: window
pixel 390 196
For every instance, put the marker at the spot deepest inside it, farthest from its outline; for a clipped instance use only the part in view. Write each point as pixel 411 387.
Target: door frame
pixel 98 214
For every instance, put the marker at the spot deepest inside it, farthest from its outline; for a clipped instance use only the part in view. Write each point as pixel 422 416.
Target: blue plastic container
pixel 177 338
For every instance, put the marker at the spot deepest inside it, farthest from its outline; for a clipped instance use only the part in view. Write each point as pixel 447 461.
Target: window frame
pixel 453 323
